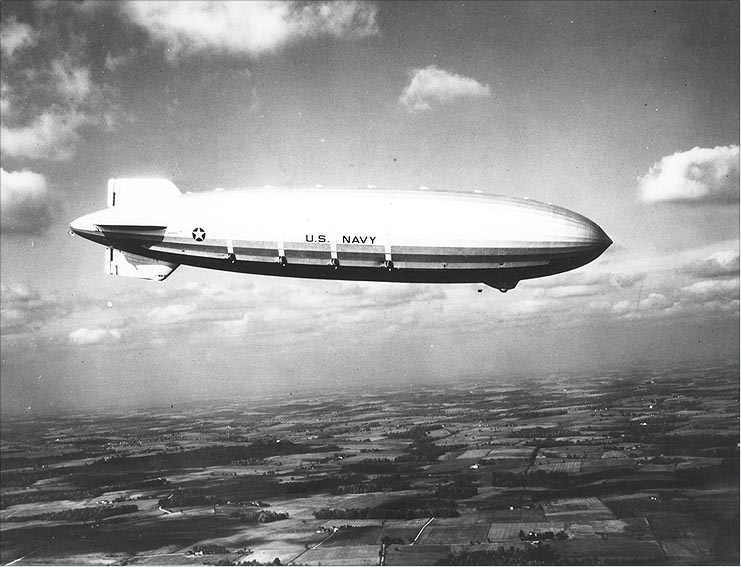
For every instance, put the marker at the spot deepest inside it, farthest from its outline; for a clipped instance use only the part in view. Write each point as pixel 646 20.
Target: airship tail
pixel 140 197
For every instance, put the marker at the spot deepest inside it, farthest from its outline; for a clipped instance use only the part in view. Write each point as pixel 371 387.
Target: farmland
pixel 635 467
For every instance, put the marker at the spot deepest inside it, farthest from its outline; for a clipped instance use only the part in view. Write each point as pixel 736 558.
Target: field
pixel 638 467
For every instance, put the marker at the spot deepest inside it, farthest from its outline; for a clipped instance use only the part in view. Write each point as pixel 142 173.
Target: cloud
pixel 530 307
pixel 713 289
pixel 715 296
pixel 653 303
pixel 699 175
pixel 86 337
pixel 268 312
pixel 52 135
pixel 384 296
pixel 564 291
pixel 72 80
pixel 623 280
pixel 4 98
pixel 24 202
pixel 113 62
pixel 14 36
pixel 248 28
pixel 50 96
pixel 437 85
pixel 23 309
pixel 585 283
pixel 720 264
pixel 171 314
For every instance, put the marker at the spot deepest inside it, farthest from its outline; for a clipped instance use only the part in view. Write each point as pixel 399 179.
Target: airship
pixel 150 227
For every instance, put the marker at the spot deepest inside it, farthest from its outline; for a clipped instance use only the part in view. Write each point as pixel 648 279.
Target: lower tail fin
pixel 120 263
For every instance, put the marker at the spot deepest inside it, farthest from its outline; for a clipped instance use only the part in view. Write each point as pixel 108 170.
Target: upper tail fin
pixel 133 191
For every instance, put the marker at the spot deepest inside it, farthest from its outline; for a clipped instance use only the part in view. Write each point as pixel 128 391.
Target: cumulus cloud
pixel 623 280
pixel 52 135
pixel 720 264
pixel 248 28
pixel 86 337
pixel 529 307
pixel 113 62
pixel 171 314
pixel 72 80
pixel 49 97
pixel 15 36
pixel 298 313
pixel 24 202
pixel 713 289
pixel 652 303
pixel 430 85
pixel 24 309
pixel 373 296
pixel 565 291
pixel 585 283
pixel 704 175
pixel 716 296
pixel 655 302
pixel 4 98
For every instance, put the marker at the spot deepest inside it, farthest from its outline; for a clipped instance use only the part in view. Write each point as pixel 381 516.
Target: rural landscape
pixel 631 467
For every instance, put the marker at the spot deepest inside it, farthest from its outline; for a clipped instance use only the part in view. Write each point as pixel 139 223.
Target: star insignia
pixel 199 235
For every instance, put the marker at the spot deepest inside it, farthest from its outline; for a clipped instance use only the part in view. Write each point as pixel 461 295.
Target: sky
pixel 625 112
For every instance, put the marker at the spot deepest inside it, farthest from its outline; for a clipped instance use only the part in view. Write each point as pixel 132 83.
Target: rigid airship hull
pixel 346 234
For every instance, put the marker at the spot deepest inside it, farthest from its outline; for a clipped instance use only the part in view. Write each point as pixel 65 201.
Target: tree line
pixel 78 514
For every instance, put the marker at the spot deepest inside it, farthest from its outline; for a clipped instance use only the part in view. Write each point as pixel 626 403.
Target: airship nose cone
pixel 601 238
pixel 585 237
pixel 582 232
pixel 596 240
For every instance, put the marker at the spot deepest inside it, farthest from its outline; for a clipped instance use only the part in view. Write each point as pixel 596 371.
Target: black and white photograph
pixel 348 282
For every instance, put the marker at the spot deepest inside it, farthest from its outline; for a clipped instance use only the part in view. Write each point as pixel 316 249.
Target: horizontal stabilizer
pixel 120 263
pixel 146 231
pixel 131 227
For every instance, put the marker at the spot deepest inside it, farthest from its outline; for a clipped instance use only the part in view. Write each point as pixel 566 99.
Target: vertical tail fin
pixel 132 191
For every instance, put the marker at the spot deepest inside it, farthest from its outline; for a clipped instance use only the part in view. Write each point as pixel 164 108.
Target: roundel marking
pixel 199 235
